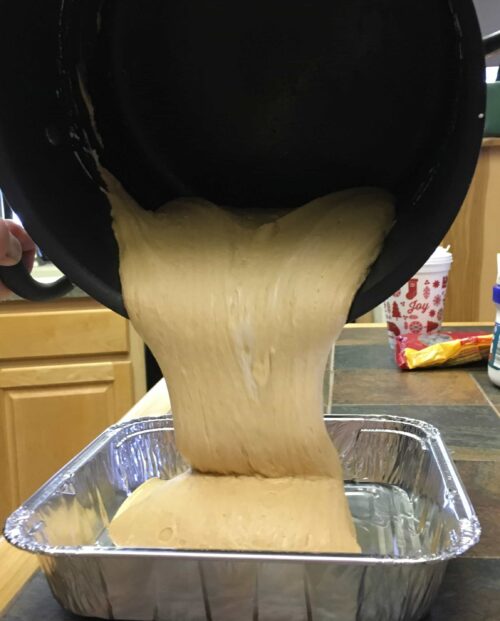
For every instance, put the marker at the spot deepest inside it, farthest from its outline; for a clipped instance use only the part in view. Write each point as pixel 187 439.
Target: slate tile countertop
pixel 462 403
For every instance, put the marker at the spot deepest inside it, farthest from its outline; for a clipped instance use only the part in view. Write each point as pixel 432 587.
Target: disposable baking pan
pixel 411 512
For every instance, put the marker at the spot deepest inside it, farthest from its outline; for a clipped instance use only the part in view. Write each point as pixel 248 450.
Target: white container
pixel 494 359
pixel 418 306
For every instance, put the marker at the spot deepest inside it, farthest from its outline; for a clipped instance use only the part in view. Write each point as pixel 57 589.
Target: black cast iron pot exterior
pixel 262 104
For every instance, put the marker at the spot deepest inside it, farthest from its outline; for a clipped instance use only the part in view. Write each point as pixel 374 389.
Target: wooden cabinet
pixel 67 371
pixel 475 242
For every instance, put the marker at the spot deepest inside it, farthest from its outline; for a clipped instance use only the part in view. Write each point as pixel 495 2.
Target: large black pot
pixel 263 103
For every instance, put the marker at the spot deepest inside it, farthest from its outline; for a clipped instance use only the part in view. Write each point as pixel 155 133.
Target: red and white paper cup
pixel 418 306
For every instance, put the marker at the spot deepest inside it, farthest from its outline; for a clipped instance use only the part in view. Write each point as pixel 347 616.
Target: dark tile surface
pixel 391 386
pixel 475 427
pixel 470 592
pixel 369 357
pixel 35 603
pixel 356 335
pixel 482 482
pixel 491 391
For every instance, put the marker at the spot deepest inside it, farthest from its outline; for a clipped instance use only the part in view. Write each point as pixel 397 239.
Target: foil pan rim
pixel 14 533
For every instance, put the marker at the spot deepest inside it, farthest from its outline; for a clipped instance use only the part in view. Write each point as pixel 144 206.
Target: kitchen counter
pixel 460 402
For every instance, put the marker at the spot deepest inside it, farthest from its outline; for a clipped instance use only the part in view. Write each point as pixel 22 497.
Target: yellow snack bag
pixel 451 349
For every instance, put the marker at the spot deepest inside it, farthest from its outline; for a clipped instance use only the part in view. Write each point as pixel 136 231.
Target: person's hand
pixel 15 244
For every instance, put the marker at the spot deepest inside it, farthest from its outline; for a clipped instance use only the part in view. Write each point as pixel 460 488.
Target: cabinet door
pixel 474 240
pixel 48 414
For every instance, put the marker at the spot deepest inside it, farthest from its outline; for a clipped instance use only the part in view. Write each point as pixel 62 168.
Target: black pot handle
pixel 492 43
pixel 19 281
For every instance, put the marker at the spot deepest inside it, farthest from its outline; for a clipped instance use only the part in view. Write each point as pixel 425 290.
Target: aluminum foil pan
pixel 411 512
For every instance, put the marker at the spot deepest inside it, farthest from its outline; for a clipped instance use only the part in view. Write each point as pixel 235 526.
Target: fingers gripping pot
pixel 263 104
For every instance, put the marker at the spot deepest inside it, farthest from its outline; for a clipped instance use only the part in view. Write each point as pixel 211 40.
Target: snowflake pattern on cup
pixel 416 327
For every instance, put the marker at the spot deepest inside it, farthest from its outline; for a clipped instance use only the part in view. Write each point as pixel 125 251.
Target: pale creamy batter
pixel 298 514
pixel 241 315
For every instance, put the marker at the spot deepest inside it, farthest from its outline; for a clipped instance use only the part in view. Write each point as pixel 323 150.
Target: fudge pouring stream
pixel 241 314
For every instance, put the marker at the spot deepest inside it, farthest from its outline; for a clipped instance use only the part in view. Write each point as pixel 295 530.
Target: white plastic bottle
pixel 494 359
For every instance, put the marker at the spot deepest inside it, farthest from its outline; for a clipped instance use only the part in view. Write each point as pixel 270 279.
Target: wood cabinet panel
pixel 475 240
pixel 55 333
pixel 68 369
pixel 51 375
pixel 48 414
